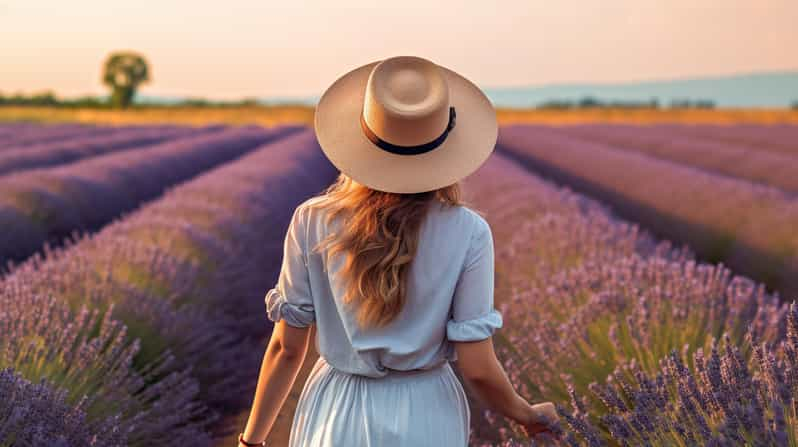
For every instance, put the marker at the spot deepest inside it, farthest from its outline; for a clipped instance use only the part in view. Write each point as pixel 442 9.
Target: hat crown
pixel 406 101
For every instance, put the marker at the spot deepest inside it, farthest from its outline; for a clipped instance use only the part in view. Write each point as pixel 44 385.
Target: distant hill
pixel 749 90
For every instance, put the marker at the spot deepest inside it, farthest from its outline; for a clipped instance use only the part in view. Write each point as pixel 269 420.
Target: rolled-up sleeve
pixel 291 298
pixel 474 316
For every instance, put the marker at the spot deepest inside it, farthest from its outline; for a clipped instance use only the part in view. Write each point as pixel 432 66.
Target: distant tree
pixel 196 102
pixel 556 104
pixel 680 103
pixel 704 104
pixel 46 98
pixel 795 105
pixel 686 103
pixel 124 72
pixel 590 102
pixel 248 102
pixel 654 103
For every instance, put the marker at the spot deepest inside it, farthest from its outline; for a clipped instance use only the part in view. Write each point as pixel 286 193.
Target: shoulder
pixel 481 235
pixel 470 220
pixel 477 233
pixel 478 220
pixel 311 201
pixel 475 218
pixel 305 209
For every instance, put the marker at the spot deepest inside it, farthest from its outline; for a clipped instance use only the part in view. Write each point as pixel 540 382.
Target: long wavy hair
pixel 379 238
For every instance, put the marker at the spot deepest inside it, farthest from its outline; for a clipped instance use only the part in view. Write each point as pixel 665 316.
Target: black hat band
pixel 408 150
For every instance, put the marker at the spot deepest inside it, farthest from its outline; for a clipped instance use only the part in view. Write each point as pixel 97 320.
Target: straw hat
pixel 405 125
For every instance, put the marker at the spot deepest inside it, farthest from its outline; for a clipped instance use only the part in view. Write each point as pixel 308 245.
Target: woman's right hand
pixel 540 418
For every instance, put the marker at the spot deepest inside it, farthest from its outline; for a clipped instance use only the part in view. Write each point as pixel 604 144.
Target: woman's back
pixel 449 294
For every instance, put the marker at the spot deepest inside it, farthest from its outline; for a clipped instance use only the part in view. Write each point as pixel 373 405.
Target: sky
pixel 240 48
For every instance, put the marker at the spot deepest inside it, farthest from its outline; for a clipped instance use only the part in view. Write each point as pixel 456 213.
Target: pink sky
pixel 237 48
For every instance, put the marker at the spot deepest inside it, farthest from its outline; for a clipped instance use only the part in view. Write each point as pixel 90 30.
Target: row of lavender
pixel 47 204
pixel 179 287
pixel 773 138
pixel 62 151
pixel 777 137
pixel 748 226
pixel 645 345
pixel 21 134
pixel 738 159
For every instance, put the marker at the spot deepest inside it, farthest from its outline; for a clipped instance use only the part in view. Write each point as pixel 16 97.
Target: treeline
pixel 201 102
pixel 589 102
pixel 795 105
pixel 49 99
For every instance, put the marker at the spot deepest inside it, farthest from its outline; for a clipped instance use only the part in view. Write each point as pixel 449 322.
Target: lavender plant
pixel 92 389
pixel 724 399
pixel 37 414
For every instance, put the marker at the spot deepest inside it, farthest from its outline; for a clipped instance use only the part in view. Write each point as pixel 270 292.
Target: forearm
pixel 496 391
pixel 277 375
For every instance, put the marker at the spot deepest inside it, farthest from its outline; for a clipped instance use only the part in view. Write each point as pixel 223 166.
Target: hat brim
pixel 468 145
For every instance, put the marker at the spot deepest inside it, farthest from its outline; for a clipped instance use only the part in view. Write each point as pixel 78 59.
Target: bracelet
pixel 250 444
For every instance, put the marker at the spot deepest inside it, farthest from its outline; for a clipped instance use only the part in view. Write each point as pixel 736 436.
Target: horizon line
pixel 569 83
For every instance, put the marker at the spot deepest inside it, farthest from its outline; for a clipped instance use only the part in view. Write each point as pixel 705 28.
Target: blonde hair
pixel 379 237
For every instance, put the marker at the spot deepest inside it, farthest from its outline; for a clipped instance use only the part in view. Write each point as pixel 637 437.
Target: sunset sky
pixel 240 48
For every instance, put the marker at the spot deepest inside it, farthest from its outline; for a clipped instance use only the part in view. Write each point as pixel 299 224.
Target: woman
pixel 395 271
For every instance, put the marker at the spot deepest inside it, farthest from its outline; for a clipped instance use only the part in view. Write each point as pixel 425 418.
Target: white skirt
pixel 405 409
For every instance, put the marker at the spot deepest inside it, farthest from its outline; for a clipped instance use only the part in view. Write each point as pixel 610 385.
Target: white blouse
pixel 450 294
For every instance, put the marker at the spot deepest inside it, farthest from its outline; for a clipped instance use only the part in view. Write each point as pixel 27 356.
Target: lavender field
pixel 145 317
pixel 602 318
pixel 747 225
pixel 645 275
pixel 743 159
pixel 50 153
pixel 47 204
pixel 24 134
